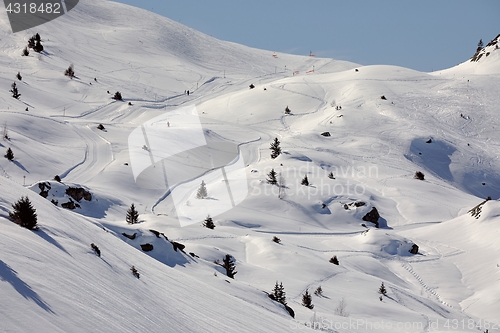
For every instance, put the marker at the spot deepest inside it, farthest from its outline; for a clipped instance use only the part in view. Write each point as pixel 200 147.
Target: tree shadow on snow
pixel 9 275
pixel 19 165
pixel 51 240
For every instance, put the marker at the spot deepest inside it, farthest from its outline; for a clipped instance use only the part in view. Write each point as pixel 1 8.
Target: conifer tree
pixel 228 264
pixel 117 96
pixel 278 293
pixel 18 76
pixel 318 291
pixel 132 215
pixel 307 300
pixel 9 155
pixel 382 290
pixel 24 214
pixel 305 181
pixel 14 91
pixel 70 71
pixel 38 47
pixel 209 223
pixel 31 42
pixel 271 177
pixel 334 260
pixel 275 148
pixel 202 191
pixel 135 272
pixel 25 52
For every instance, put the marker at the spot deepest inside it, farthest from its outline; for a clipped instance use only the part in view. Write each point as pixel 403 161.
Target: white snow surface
pixel 444 124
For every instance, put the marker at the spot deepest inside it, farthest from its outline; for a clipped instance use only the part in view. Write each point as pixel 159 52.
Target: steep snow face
pixel 52 281
pixel 384 124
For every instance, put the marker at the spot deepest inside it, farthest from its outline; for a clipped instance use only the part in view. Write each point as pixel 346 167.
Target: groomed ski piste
pixel 444 124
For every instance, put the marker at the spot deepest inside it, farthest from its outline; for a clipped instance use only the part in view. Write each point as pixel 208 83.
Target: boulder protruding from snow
pixel 147 247
pixel 79 193
pixel 414 249
pixel 372 216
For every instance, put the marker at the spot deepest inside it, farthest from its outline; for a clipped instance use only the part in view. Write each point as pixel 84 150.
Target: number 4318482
pixel 33 8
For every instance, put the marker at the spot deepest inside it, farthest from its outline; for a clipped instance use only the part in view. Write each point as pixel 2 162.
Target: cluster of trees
pixel 34 43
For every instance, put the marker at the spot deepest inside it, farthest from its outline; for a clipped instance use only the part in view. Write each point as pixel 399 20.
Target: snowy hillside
pixel 359 134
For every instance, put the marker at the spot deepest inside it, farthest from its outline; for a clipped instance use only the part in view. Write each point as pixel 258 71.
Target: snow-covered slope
pixel 385 123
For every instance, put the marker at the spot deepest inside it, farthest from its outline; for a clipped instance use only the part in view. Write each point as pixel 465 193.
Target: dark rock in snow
pixel 147 247
pixel 372 216
pixel 79 193
pixel 157 234
pixel 129 236
pixel 179 246
pixel 414 249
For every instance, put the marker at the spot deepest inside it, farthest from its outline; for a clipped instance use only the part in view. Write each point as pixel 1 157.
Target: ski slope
pixel 442 123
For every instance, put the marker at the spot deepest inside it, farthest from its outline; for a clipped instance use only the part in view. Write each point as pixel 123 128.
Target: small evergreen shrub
pixel 382 290
pixel 135 272
pixel 117 96
pixel 419 175
pixel 70 71
pixel 96 249
pixel 334 260
pixel 9 155
pixel 209 223
pixel 276 240
pixel 14 91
